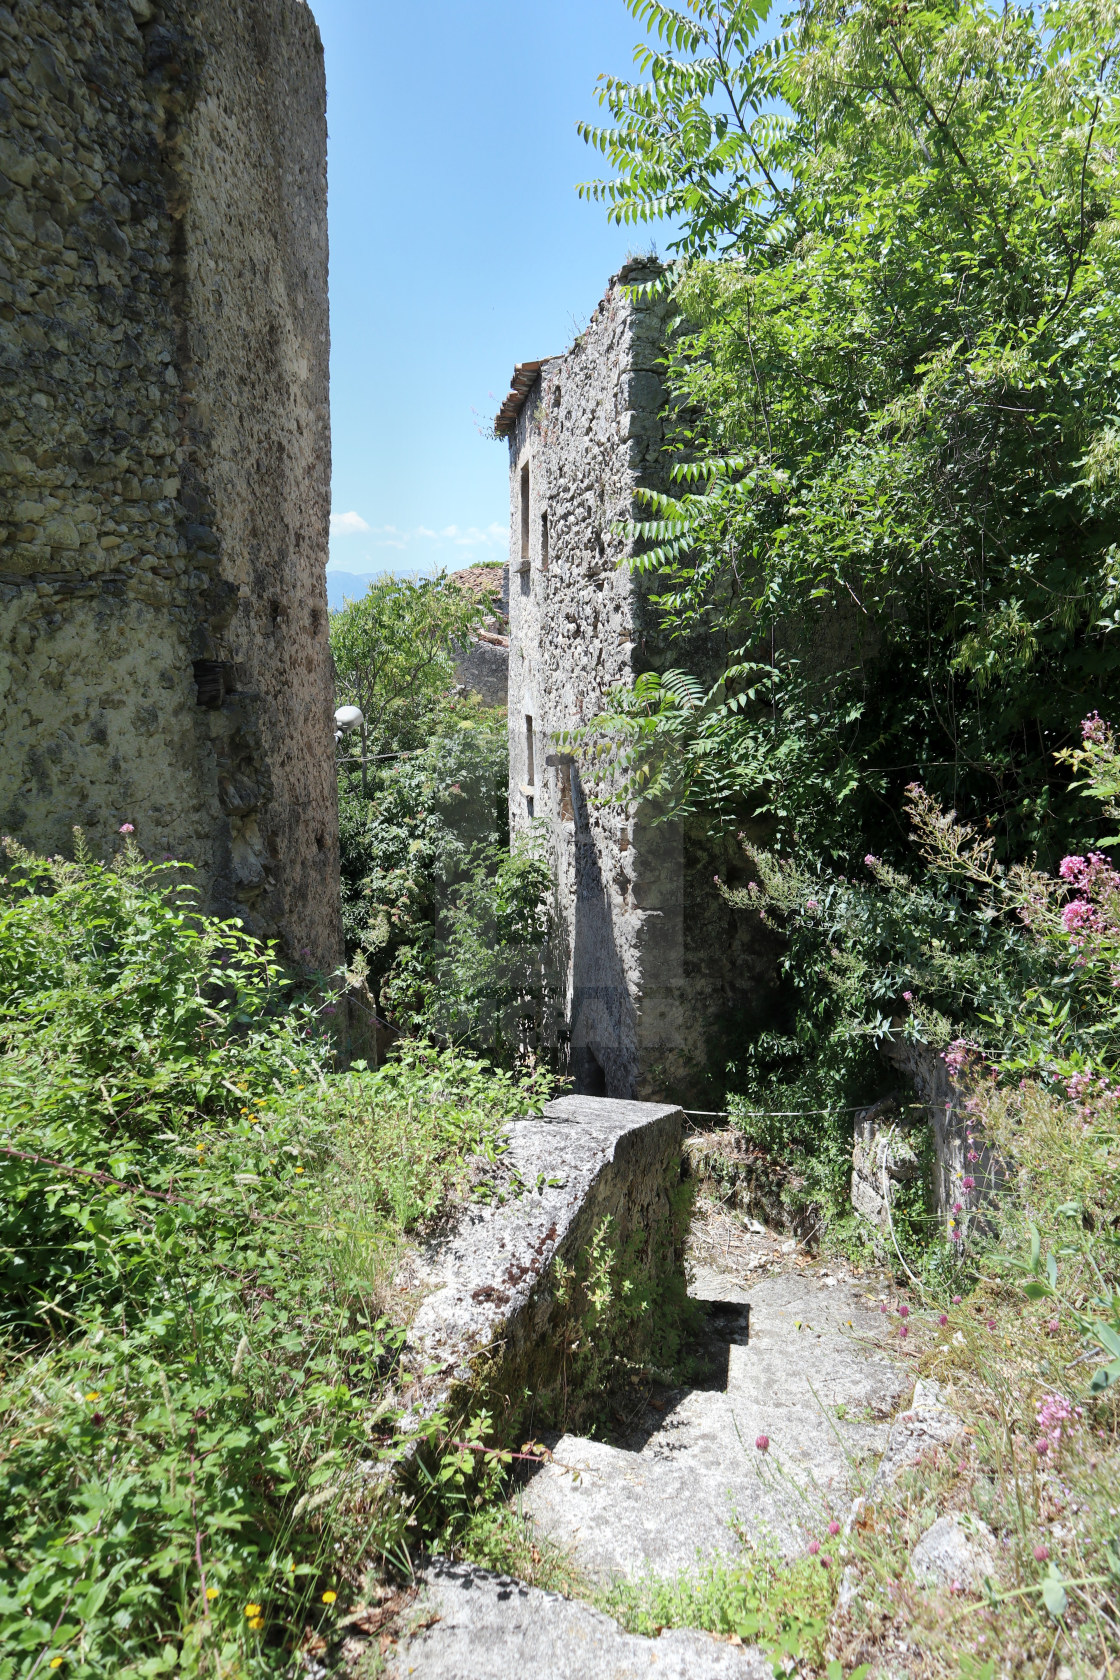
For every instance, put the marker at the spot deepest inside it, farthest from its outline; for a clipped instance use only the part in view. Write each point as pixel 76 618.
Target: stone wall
pixel 165 447
pixel 482 667
pixel 488 1329
pixel 656 964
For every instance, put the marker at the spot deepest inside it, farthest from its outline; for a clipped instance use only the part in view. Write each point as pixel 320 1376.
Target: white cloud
pixel 347 524
pixel 426 548
pixel 422 536
pixel 472 537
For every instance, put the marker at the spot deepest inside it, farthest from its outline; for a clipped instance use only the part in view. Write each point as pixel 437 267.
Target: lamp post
pixel 346 720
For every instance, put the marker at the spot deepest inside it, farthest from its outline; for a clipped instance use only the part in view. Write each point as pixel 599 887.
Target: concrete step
pixel 801 1356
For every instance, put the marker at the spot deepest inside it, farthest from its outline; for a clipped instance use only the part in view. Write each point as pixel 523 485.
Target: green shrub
pixel 962 954
pixel 488 979
pixel 760 1599
pixel 450 926
pixel 199 1221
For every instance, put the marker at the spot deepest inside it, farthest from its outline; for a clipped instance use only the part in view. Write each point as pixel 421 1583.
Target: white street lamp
pixel 346 720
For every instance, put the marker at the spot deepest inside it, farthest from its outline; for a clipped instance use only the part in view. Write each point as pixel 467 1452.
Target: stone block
pixel 883 1160
pixel 951 1554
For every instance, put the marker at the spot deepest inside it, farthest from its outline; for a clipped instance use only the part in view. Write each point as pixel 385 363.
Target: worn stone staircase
pixel 778 1441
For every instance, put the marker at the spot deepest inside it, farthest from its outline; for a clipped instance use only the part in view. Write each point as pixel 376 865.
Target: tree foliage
pixel 450 928
pixel 394 653
pixel 896 402
pixel 409 845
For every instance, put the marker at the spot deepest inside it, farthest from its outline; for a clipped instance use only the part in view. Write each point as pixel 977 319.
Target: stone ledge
pixel 488 1311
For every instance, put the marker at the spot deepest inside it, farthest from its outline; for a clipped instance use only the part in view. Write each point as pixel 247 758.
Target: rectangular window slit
pixel 525 511
pixel 567 813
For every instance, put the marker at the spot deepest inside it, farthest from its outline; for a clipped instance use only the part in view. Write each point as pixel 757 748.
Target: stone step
pixel 692 1483
pixel 473 1625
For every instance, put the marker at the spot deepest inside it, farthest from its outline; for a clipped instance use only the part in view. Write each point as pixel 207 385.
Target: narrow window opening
pixel 525 511
pixel 530 765
pixel 567 811
pixel 544 542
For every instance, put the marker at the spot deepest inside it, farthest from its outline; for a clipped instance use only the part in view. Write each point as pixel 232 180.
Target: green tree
pixel 408 846
pixel 896 408
pixel 394 653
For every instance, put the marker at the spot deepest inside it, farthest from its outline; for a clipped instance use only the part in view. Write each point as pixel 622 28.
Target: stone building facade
pixel 656 967
pixel 165 446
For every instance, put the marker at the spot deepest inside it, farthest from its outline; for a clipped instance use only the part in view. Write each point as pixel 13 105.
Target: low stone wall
pixel 490 1319
pixel 944 1100
pixel 483 668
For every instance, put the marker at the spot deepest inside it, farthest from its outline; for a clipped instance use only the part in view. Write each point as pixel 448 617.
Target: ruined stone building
pixel 482 668
pixel 656 967
pixel 165 445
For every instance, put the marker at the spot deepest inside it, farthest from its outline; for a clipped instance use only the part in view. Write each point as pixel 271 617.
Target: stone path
pixel 487 1627
pixel 807 1366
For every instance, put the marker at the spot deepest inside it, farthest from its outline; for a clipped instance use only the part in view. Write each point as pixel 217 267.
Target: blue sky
pixel 458 246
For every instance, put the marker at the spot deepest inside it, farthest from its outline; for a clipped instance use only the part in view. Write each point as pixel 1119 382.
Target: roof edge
pixel 525 376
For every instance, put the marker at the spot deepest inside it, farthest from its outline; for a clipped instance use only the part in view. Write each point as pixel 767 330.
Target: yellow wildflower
pixel 211 1592
pixel 299 1169
pixel 252 1609
pixel 256 1623
pixel 329 1597
pixel 93 1395
pixel 56 1662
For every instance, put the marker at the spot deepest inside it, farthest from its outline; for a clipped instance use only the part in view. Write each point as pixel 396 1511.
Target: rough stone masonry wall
pixel 655 962
pixel 164 445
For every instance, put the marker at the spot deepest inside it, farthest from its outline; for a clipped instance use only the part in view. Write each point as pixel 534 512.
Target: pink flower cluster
pixel 1055 1415
pixel 1083 1088
pixel 1089 874
pixel 1096 882
pixel 1094 729
pixel 1079 916
pixel 956 1057
pixel 814 1546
